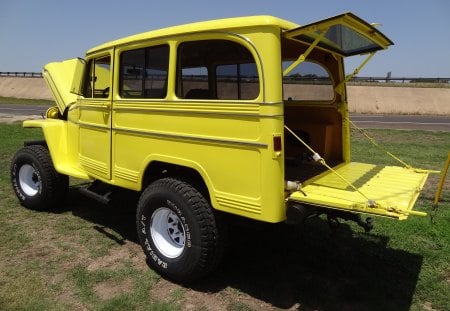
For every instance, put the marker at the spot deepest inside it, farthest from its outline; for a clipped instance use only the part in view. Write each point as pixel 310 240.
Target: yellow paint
pixel 393 189
pixel 228 143
pixel 441 182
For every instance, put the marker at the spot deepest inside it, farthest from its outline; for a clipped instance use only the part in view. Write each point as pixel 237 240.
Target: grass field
pixel 25 101
pixel 86 256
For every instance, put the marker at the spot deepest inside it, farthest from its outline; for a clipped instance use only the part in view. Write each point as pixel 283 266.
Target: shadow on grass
pixel 313 268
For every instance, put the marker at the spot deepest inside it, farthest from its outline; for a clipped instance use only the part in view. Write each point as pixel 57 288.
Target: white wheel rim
pixel 167 232
pixel 29 180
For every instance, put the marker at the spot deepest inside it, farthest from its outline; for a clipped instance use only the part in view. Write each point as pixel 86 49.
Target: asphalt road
pixel 407 122
pixel 23 110
pixel 404 122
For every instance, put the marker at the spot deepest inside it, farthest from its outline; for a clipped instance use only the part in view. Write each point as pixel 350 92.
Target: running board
pixel 98 191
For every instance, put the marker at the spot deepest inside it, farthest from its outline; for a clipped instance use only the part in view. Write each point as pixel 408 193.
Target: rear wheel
pixel 35 180
pixel 178 230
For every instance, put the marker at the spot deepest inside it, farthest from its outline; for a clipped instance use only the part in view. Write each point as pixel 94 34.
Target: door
pixel 389 191
pixel 95 118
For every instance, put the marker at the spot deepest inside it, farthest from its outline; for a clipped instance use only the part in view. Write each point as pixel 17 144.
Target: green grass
pixel 86 256
pixel 25 101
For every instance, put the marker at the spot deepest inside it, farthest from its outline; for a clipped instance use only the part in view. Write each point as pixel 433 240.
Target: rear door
pixel 389 191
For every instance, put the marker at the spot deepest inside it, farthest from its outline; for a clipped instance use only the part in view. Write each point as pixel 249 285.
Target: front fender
pixel 55 133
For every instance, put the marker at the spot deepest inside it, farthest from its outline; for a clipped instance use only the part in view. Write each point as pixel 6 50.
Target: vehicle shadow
pixel 309 269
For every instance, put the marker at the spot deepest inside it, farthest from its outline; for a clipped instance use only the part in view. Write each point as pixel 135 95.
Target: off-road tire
pixel 178 230
pixel 35 181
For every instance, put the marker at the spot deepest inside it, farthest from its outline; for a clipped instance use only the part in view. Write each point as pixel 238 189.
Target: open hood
pixel 345 34
pixel 64 79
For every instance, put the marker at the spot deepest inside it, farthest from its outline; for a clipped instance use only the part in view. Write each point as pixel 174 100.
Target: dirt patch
pixel 129 252
pixel 110 289
pixel 428 306
pixel 191 299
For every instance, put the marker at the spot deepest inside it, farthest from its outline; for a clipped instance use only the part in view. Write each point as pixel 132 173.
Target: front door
pixel 95 118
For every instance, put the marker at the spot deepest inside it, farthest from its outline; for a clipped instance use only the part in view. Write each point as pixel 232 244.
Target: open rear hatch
pixel 345 34
pixel 389 191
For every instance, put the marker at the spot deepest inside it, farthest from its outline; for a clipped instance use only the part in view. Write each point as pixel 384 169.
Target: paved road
pixel 23 110
pixel 408 122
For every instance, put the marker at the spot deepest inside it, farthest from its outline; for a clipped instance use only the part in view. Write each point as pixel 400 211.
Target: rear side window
pixel 143 72
pixel 216 69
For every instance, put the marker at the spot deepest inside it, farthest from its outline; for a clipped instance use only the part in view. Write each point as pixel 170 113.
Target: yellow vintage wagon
pixel 246 116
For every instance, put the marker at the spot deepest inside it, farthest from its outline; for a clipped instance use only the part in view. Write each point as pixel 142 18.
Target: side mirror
pixel 77 82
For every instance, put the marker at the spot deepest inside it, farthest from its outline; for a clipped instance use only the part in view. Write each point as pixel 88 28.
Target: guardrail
pixel 21 74
pixel 402 80
pixel 297 78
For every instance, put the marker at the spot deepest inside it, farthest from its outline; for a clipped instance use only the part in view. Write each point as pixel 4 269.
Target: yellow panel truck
pixel 245 116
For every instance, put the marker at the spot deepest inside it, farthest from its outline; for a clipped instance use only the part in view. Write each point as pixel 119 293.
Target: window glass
pixel 216 69
pixel 143 72
pixel 308 81
pixel 237 81
pixel 98 79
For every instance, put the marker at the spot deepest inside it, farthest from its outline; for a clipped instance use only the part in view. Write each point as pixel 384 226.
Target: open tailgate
pixel 393 189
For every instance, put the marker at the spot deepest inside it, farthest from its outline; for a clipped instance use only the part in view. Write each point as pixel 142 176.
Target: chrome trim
pixel 195 138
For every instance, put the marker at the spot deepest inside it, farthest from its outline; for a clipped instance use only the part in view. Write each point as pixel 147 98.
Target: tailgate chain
pixel 318 158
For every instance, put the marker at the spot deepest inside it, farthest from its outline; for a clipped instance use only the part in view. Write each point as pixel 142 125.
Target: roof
pixel 218 24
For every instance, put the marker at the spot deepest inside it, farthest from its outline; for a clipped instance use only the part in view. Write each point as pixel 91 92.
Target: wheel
pixel 178 230
pixel 34 179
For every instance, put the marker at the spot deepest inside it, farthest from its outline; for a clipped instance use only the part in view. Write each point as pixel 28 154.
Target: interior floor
pixel 302 170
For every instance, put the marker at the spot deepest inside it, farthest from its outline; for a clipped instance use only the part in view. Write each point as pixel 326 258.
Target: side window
pixel 216 69
pixel 237 81
pixel 143 72
pixel 308 81
pixel 98 78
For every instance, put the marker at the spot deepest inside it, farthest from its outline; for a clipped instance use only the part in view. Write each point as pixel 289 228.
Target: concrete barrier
pixel 399 100
pixel 362 99
pixel 34 88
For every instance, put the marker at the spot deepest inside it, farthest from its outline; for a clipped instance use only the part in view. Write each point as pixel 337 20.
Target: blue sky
pixel 35 32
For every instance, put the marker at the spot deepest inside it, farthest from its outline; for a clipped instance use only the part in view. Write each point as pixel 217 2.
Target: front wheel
pixel 178 230
pixel 34 179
